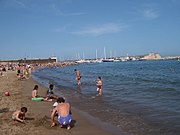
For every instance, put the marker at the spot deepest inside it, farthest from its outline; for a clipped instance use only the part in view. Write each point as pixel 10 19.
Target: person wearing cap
pixel 55 104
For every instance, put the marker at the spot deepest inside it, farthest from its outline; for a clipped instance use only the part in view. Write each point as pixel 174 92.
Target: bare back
pixel 34 93
pixel 63 109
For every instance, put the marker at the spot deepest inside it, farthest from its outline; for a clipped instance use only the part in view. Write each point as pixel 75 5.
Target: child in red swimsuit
pixel 99 85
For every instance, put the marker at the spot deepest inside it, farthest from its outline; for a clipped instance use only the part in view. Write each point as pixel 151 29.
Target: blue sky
pixel 71 28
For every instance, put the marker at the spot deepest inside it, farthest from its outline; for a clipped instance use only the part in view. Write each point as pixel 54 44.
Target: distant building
pixel 32 61
pixel 151 56
pixel 54 58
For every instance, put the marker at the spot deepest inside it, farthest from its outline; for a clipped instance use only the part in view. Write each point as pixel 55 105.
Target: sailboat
pixel 80 61
pixel 108 60
pixel 105 59
pixel 97 60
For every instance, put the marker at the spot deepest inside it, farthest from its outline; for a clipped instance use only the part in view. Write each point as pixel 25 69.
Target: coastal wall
pixel 30 61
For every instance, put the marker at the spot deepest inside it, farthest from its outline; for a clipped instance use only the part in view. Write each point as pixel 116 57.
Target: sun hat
pixel 55 104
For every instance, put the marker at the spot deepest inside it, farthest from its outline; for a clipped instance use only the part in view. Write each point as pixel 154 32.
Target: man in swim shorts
pixel 63 111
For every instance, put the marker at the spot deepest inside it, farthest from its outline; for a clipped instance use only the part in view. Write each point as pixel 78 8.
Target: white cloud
pixel 150 14
pixel 59 12
pixel 60 29
pixel 100 30
pixel 20 3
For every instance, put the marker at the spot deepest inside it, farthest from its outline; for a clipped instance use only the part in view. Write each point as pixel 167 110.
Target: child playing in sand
pixel 50 93
pixel 19 115
pixel 35 95
pixel 54 106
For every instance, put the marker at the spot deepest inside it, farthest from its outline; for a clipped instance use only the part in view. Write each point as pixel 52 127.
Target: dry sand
pixel 38 115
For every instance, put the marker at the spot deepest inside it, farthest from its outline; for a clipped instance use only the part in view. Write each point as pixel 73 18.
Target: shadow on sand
pixel 4 110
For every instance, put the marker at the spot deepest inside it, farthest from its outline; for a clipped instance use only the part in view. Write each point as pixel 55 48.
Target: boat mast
pixel 104 53
pixel 96 54
pixel 110 54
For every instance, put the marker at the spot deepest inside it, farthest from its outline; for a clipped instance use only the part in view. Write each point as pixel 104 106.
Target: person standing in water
pixel 99 85
pixel 78 76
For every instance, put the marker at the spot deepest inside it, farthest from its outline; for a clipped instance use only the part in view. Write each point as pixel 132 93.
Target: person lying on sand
pixel 63 110
pixel 36 96
pixel 19 115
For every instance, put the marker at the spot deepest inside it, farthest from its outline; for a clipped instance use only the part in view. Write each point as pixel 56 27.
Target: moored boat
pixel 108 60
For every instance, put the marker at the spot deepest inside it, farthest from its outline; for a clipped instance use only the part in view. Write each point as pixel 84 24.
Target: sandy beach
pixel 38 115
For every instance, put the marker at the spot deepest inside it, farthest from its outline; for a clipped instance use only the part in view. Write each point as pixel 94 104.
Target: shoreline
pixel 38 115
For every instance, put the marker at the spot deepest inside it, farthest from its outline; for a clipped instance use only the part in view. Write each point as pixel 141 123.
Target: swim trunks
pixel 18 71
pixel 100 87
pixel 64 120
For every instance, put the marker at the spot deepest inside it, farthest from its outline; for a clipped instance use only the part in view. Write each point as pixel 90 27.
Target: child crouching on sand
pixel 36 97
pixel 19 115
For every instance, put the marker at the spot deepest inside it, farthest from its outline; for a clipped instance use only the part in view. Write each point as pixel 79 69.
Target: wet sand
pixel 38 115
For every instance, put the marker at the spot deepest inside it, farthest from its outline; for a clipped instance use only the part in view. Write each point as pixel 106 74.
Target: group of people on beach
pixel 98 81
pixel 61 110
pixel 24 71
pixel 6 67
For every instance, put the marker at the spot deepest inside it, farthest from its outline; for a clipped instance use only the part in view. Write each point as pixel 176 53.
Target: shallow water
pixel 140 97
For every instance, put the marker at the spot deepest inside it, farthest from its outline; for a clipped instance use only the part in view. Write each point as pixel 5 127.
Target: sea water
pixel 139 97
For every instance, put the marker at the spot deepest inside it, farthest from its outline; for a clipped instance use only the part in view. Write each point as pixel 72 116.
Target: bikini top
pixel 50 91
